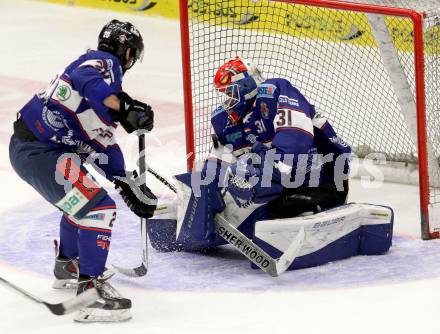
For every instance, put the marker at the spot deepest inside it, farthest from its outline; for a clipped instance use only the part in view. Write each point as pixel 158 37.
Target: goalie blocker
pixel 338 233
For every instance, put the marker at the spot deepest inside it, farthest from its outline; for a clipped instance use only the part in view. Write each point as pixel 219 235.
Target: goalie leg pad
pixel 192 228
pixel 342 232
pixel 162 234
pixel 195 224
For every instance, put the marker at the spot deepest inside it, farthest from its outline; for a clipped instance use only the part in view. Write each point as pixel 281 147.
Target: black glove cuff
pixel 125 102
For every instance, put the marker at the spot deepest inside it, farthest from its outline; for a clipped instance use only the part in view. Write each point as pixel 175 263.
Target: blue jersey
pixel 282 118
pixel 70 113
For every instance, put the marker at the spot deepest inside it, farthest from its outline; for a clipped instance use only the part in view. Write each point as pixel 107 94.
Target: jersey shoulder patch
pixel 266 90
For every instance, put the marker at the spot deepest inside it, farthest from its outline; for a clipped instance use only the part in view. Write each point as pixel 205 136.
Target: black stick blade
pixel 74 304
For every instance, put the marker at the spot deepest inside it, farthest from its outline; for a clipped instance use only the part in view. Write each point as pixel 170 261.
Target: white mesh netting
pixel 330 55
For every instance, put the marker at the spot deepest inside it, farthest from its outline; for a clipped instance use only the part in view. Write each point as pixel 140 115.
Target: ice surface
pixel 184 292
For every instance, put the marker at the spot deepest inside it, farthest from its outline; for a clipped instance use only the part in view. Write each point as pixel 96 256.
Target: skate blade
pixel 65 284
pixel 89 315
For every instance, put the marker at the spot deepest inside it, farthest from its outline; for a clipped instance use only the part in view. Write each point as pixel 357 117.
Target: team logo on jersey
pixel 266 90
pixel 53 119
pixel 264 109
pixel 103 133
pixel 103 241
pixel 63 92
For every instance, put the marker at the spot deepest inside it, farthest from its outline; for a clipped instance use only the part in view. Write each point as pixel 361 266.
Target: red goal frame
pixel 417 19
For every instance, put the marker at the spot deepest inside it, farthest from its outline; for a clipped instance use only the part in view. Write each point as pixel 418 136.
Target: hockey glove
pixel 133 114
pixel 138 198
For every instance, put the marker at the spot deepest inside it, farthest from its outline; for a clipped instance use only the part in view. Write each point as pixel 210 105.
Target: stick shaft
pixel 143 268
pixel 142 170
pixel 21 291
pixel 80 301
pixel 142 164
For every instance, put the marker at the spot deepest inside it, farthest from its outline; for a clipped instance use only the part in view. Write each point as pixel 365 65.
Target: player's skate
pixel 111 307
pixel 66 271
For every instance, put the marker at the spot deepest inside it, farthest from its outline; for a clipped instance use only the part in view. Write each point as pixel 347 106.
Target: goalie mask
pixel 117 37
pixel 238 79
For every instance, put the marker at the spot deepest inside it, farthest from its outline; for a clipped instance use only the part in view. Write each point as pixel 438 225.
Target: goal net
pixel 371 67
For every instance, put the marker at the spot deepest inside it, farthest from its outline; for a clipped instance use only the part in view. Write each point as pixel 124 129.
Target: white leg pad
pixel 323 228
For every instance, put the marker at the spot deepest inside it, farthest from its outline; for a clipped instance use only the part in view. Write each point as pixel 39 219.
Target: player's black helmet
pixel 117 37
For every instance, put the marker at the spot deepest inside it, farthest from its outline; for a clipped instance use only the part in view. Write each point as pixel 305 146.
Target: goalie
pixel 277 158
pixel 261 115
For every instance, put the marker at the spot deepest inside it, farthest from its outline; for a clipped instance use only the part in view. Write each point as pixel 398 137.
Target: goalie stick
pixel 271 266
pixel 161 179
pixel 78 302
pixel 142 269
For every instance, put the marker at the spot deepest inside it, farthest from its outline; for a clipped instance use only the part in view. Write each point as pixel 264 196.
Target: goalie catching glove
pixel 133 114
pixel 139 198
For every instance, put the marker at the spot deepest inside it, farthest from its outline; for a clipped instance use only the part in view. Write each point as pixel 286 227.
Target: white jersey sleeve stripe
pixel 96 129
pixel 288 118
pixel 66 96
pixel 319 122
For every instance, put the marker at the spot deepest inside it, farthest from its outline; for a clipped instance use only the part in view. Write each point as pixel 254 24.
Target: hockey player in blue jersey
pixel 72 122
pixel 306 162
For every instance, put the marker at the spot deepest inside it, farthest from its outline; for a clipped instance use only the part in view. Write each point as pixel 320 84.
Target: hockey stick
pixel 143 268
pixel 271 266
pixel 80 301
pixel 162 179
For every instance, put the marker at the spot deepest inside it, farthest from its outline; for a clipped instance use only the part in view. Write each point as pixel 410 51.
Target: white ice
pixel 187 293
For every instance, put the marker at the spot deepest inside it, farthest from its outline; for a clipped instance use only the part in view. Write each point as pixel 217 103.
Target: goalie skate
pixel 111 307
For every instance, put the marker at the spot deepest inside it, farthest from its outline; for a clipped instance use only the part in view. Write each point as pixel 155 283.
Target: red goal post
pixel 371 67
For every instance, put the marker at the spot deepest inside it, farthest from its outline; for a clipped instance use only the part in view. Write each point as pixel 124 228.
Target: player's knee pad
pixel 81 193
pixel 100 218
